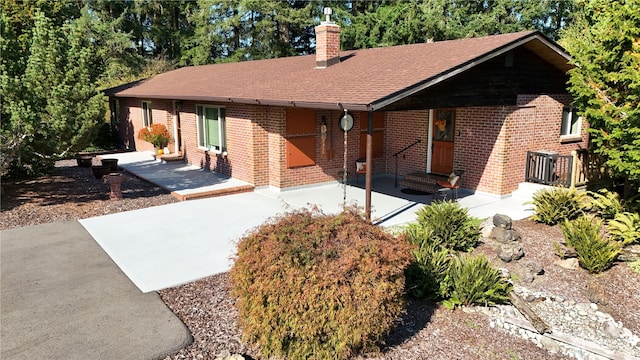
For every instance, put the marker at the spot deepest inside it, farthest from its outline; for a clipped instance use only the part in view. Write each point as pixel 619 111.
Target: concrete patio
pixel 169 245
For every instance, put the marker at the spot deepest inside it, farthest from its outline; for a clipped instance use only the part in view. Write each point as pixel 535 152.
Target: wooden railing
pixel 548 168
pixel 586 167
pixel 573 170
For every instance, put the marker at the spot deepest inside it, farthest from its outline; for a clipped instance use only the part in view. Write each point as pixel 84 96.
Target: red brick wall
pixel 480 147
pixel 490 144
pixel 402 129
pixel 131 121
pixel 494 141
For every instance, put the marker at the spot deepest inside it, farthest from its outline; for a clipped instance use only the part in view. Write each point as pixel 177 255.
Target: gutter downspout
pixel 369 166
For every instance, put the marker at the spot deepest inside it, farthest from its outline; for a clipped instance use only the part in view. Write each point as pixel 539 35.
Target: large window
pixel 570 122
pixel 146 114
pixel 211 128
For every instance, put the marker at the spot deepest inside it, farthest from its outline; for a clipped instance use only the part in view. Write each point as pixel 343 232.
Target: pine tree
pixel 52 105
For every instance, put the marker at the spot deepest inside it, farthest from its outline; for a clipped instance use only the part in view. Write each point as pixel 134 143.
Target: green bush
pixel 447 224
pixel 443 229
pixel 427 275
pixel 475 281
pixel 595 252
pixel 315 286
pixel 553 206
pixel 605 203
pixel 635 266
pixel 625 227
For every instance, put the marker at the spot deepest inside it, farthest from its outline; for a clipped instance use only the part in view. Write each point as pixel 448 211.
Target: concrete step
pixel 213 193
pixel 424 177
pixel 418 185
pixel 526 190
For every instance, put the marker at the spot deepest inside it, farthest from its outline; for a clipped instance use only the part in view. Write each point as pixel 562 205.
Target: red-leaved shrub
pixel 316 286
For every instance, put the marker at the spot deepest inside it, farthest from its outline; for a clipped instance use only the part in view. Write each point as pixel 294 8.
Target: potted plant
pixel 156 134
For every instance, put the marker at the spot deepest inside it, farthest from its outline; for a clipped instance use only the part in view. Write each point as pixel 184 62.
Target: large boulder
pixel 486 226
pixel 510 252
pixel 503 235
pixel 502 221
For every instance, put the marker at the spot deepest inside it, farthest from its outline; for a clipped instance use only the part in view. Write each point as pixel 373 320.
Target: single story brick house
pixel 476 104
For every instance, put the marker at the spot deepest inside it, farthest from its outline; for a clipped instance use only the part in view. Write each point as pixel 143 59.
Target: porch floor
pixel 391 205
pixel 183 181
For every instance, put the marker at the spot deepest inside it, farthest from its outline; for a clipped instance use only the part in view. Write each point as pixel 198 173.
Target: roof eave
pixel 401 94
pixel 265 102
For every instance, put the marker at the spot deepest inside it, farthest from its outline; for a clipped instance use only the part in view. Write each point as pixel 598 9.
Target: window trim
pixel 565 125
pixel 200 109
pixel 147 113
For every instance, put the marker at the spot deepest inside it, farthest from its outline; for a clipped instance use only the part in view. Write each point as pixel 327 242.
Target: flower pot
pixel 100 170
pixel 84 160
pixel 112 163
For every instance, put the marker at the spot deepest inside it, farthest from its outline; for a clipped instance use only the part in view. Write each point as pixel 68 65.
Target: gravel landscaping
pixel 426 331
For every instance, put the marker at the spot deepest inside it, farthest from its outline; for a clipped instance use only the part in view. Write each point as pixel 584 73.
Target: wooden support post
pixel 369 166
pixel 574 168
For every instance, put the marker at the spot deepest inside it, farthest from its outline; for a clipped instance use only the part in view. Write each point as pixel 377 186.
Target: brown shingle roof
pixel 364 79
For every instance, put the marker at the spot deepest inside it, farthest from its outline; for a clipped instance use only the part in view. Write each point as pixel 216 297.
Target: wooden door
pixel 443 142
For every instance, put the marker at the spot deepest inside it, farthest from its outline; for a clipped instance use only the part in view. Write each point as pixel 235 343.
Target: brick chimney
pixel 327 42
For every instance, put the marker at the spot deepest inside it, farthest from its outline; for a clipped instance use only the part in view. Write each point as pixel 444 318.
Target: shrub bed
pixel 438 272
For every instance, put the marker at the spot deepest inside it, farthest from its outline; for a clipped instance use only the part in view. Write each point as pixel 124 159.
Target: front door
pixel 443 135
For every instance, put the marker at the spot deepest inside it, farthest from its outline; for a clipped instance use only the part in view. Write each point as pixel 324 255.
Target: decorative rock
pixel 510 252
pixel 567 251
pixel 611 329
pixel 503 235
pixel 226 355
pixel 630 253
pixel 527 277
pixel 550 345
pixel 570 263
pixel 596 294
pixel 502 221
pixel 534 267
pixel 485 227
pixel 583 306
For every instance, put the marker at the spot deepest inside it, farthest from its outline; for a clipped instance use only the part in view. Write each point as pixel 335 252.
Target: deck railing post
pixel 574 168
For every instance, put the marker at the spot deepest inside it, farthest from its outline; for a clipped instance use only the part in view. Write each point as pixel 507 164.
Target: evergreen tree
pixel 605 46
pixel 52 106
